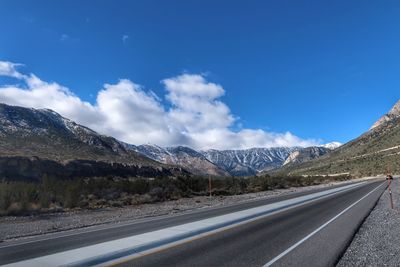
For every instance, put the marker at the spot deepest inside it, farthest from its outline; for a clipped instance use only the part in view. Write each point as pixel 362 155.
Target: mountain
pixel 218 162
pixel 392 114
pixel 249 161
pixel 372 153
pixel 244 162
pixel 307 154
pixel 46 134
pixel 31 139
pixel 332 145
pixel 185 157
pixel 36 138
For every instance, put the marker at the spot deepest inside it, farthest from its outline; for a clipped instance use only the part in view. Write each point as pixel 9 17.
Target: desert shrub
pixel 16 197
pixel 72 193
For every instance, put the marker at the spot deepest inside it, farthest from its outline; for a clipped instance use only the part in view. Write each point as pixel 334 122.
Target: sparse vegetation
pixel 52 195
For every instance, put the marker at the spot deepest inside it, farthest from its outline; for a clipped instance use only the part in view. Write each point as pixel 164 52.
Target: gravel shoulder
pixel 377 241
pixel 16 227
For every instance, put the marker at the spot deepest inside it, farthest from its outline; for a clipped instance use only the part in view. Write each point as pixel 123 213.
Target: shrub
pixel 24 197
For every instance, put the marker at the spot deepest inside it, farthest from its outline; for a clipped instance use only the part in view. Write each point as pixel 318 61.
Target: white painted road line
pixel 111 250
pixel 318 229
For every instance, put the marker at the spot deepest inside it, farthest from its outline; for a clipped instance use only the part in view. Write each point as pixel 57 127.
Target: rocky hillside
pixel 392 114
pixel 306 154
pixel 370 154
pixel 43 135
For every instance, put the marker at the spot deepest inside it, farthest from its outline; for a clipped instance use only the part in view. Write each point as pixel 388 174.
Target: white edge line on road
pixel 318 229
pixel 122 259
pixel 218 230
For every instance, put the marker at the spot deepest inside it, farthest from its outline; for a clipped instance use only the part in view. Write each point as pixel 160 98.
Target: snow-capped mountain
pixel 220 162
pixel 45 134
pixel 332 145
pixel 38 142
pixel 185 157
pixel 243 162
pixel 249 161
pixel 154 152
pixel 21 128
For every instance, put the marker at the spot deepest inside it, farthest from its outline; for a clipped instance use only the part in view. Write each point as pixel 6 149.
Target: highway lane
pixel 272 240
pixel 52 243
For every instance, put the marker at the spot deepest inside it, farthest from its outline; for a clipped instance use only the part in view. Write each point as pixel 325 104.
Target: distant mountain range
pixel 37 142
pixel 232 162
pixel 186 157
pixel 219 162
pixel 36 138
pixel 374 152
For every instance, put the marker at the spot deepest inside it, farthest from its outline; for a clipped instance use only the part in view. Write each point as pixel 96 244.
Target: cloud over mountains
pixel 195 116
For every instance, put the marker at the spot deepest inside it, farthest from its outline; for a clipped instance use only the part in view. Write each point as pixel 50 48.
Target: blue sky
pixel 322 70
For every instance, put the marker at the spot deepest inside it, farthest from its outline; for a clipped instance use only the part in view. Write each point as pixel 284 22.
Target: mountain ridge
pixel 29 137
pixel 372 153
pixel 183 156
pixel 393 113
pixel 306 154
pixel 240 162
pixel 43 133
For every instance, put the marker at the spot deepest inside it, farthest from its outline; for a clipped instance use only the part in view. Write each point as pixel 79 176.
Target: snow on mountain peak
pixel 332 145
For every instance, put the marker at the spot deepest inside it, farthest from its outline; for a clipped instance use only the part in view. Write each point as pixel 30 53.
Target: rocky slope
pixel 392 114
pixel 306 154
pixel 38 141
pixel 370 154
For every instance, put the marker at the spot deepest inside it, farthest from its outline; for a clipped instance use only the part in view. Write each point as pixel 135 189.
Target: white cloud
pixel 133 115
pixel 9 69
pixel 195 104
pixel 196 116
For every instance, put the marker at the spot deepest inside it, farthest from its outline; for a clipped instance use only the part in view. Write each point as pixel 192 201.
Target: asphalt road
pixel 250 244
pixel 272 240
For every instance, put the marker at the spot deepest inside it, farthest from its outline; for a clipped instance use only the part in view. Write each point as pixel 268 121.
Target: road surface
pixel 314 233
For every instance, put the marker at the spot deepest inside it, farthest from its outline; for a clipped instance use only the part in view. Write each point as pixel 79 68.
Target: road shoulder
pixel 376 242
